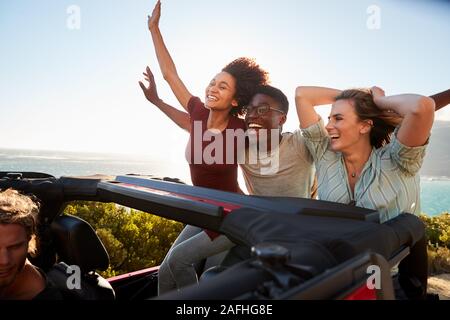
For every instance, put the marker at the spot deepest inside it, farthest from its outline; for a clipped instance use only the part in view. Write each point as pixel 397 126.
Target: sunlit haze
pixel 64 88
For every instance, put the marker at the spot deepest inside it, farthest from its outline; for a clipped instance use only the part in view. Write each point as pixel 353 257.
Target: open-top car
pixel 286 248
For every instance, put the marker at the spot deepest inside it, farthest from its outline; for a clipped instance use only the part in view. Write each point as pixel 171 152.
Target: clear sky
pixel 77 89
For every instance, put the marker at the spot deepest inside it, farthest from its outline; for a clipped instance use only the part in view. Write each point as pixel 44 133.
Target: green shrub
pixel 438 229
pixel 438 233
pixel 438 260
pixel 133 239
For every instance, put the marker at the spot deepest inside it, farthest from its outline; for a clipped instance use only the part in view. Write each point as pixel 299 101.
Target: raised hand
pixel 153 20
pixel 388 115
pixel 377 92
pixel 179 117
pixel 150 92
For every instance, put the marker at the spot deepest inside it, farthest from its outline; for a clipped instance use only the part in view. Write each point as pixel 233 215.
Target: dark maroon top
pixel 208 169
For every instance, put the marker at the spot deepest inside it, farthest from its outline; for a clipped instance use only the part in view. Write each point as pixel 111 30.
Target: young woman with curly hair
pixel 225 96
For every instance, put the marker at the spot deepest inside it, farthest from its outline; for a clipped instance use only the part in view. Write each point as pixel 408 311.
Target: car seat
pixel 78 245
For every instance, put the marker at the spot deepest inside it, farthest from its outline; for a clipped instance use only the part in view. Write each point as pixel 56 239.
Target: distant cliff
pixel 437 160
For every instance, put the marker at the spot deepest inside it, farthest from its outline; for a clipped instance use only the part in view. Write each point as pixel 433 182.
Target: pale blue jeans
pixel 192 246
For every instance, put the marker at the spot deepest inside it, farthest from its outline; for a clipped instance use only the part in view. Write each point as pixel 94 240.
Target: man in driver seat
pixel 19 279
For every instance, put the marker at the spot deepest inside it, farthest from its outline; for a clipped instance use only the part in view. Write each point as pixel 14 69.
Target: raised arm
pixel 306 98
pixel 441 99
pixel 168 69
pixel 417 112
pixel 179 117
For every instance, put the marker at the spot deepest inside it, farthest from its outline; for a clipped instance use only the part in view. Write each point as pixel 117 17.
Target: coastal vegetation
pixel 134 239
pixel 438 233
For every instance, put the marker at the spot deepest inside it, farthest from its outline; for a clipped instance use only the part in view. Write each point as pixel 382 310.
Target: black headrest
pixel 78 244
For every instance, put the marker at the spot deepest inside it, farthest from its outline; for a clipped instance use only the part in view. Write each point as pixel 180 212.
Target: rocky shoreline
pixel 440 285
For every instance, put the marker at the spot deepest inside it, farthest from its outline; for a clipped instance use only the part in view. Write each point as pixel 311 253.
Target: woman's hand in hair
pixel 387 114
pixel 377 92
pixel 153 20
pixel 150 92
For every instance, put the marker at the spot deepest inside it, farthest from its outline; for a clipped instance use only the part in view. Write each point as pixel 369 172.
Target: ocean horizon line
pixel 122 156
pixel 111 153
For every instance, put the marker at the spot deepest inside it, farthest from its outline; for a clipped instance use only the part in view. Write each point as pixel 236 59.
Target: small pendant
pixel 353 175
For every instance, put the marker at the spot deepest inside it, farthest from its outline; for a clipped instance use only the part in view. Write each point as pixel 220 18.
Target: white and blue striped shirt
pixel 389 181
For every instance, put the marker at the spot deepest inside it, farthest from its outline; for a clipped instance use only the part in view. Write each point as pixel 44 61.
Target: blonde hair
pixel 22 210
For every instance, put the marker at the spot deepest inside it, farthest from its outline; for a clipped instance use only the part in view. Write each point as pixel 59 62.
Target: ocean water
pixel 61 163
pixel 435 193
pixel 435 196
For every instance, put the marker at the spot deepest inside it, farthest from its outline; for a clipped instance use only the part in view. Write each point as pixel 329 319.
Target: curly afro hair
pixel 249 76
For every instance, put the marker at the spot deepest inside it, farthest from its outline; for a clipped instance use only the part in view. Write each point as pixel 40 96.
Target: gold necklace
pixel 352 174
